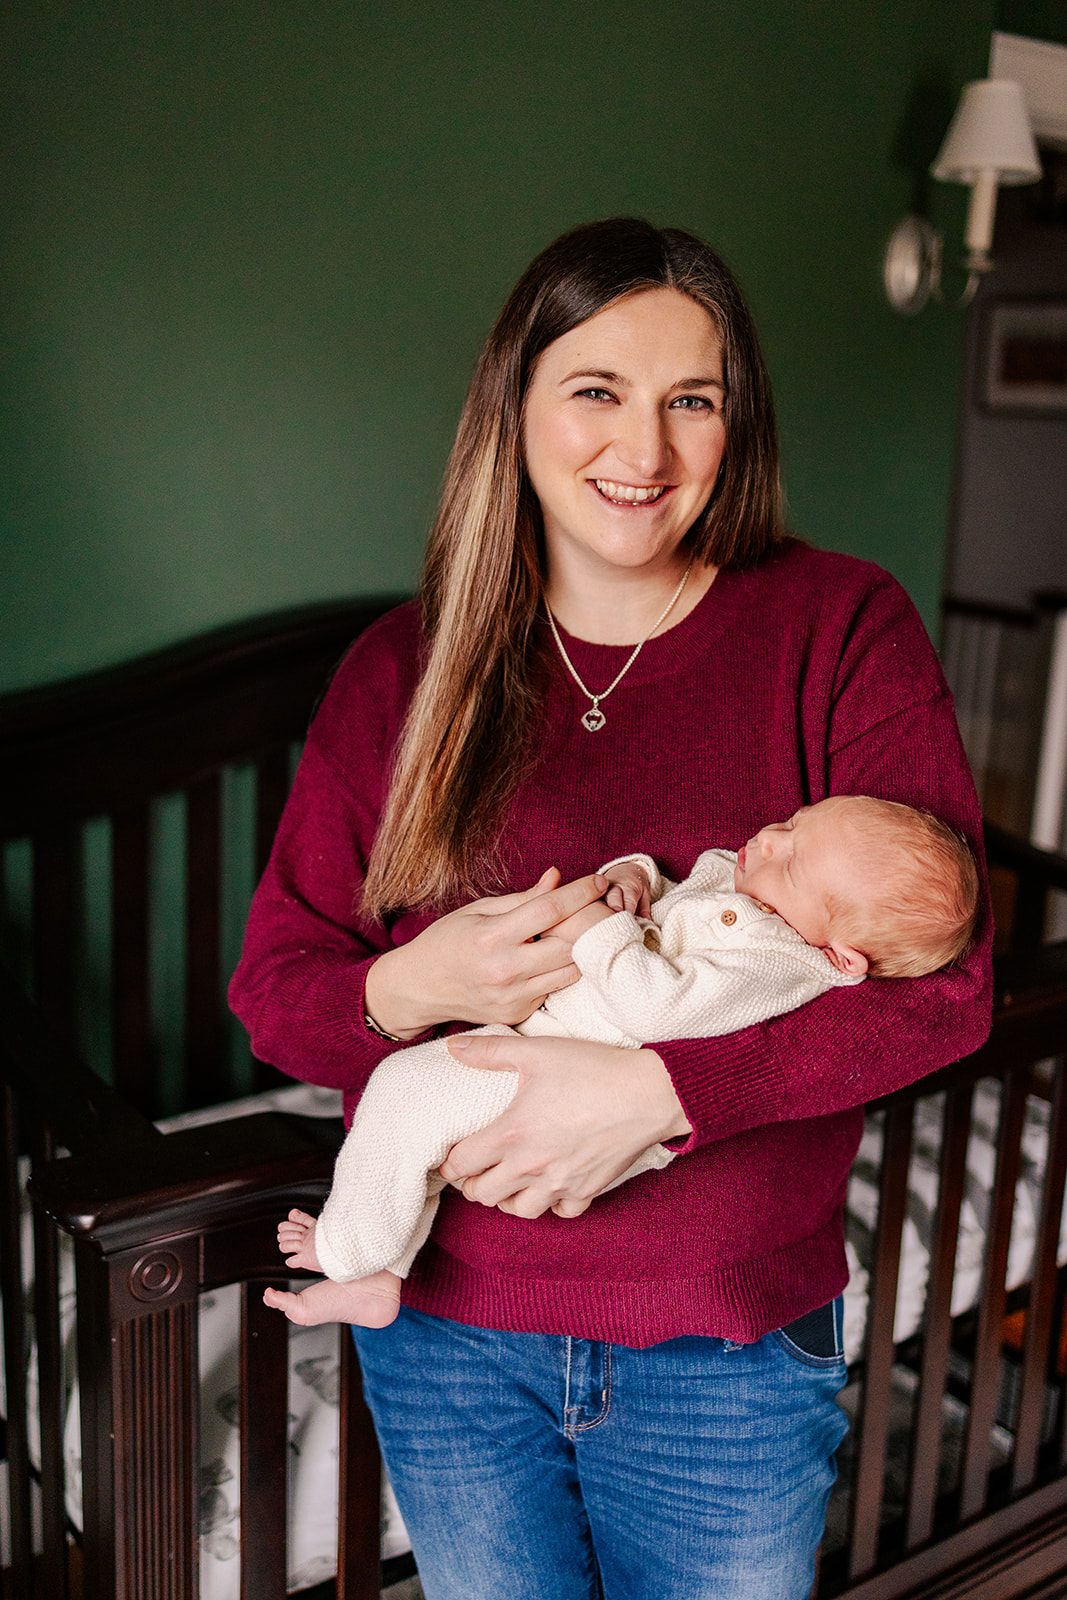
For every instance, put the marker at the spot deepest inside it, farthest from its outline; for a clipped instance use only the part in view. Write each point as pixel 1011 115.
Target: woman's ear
pixel 845 958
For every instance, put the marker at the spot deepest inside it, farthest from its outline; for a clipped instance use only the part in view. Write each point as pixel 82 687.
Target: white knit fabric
pixel 708 961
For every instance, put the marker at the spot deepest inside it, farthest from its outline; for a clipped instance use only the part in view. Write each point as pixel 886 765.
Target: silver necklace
pixel 594 719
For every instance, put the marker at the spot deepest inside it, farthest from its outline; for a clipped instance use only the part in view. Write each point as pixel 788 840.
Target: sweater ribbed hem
pixel 742 1301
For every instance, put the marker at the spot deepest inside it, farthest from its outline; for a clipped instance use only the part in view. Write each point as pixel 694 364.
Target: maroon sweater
pixel 810 675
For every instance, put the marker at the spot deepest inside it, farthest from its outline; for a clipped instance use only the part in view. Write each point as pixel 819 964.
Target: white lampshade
pixel 989 133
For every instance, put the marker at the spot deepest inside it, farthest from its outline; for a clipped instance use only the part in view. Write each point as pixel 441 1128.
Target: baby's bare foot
pixel 296 1240
pixel 371 1302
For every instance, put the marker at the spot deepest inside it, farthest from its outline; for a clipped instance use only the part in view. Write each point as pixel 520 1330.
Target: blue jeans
pixel 537 1467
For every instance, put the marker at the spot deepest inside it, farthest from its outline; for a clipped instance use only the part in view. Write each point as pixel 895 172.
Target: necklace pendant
pixel 594 719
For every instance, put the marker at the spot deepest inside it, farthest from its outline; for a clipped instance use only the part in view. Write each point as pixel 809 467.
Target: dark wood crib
pixel 157 1219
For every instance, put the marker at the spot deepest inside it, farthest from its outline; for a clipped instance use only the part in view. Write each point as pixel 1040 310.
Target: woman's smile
pixel 627 494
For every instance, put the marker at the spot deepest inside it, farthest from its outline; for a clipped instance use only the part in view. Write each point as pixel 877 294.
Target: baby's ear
pixel 846 959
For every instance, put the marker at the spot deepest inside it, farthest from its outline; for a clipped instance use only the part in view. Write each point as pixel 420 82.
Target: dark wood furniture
pixel 157 1218
pixel 154 1219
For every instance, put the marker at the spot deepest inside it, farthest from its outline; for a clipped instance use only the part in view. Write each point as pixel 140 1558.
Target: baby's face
pixel 794 866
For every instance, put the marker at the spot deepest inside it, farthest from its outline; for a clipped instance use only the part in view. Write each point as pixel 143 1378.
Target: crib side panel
pixel 957 1460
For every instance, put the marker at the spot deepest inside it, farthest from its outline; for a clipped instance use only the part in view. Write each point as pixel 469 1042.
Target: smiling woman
pixel 577 1365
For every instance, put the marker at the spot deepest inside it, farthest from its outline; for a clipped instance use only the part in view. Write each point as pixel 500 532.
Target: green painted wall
pixel 255 248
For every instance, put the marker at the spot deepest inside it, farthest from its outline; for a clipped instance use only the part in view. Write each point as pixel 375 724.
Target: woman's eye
pixel 692 402
pixel 594 394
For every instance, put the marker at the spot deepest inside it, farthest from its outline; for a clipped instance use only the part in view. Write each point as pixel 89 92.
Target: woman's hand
pixel 492 961
pixel 582 1113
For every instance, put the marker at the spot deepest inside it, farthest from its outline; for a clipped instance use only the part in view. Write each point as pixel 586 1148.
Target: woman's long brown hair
pixel 464 741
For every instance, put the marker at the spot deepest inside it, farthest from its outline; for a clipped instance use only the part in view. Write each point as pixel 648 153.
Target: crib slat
pixel 360 1488
pixel 1039 1316
pixel 53 1560
pixel 264 1445
pixel 985 1377
pixel 56 916
pixel 937 1320
pixel 18 1575
pixel 130 1023
pixel 203 878
pixel 873 1422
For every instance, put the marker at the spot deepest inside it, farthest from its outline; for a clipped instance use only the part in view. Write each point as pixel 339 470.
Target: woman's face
pixel 624 434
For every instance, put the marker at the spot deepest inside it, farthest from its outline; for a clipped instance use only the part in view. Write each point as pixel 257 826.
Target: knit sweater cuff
pixel 316 1015
pixel 656 881
pixel 605 939
pixel 737 1076
pixel 329 1261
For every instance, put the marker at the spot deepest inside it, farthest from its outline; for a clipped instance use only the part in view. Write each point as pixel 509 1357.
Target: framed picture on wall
pixel 1024 369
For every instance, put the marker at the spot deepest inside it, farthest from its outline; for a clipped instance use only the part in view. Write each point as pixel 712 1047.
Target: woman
pixel 617 648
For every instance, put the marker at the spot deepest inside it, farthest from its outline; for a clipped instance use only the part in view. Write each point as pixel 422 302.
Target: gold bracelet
pixel 393 1038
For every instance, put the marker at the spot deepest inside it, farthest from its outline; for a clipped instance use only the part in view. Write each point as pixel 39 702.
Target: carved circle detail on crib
pixel 155 1276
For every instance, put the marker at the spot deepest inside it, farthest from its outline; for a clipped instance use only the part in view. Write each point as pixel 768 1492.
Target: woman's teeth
pixel 626 494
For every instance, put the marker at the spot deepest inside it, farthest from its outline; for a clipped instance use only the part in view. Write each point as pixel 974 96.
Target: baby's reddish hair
pixel 919 906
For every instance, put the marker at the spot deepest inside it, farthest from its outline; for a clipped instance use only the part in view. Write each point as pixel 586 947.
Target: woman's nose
pixel 642 443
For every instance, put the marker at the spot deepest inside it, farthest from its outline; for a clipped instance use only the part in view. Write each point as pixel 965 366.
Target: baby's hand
pixel 629 888
pixel 628 891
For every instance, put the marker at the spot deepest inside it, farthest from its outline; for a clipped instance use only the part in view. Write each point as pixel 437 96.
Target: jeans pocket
pixel 816 1339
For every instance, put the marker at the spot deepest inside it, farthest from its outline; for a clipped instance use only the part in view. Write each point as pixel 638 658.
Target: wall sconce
pixel 988 143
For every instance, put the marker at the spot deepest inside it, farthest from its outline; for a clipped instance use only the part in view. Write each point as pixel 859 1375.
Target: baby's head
pixel 881 888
